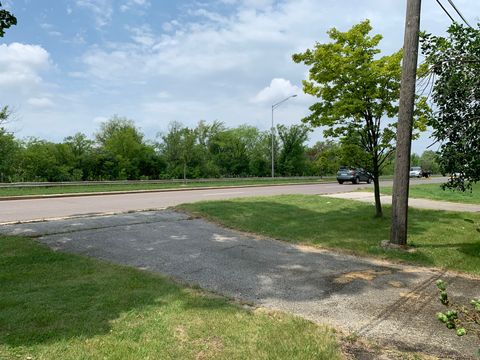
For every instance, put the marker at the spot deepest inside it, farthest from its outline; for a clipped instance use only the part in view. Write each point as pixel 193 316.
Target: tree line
pixel 120 151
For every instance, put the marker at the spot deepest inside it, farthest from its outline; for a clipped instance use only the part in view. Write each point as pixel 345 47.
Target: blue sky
pixel 70 64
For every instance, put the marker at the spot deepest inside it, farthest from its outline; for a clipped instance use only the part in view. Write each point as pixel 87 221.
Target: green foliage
pixel 292 159
pixel 229 150
pixel 123 142
pixel 324 158
pixel 209 150
pixel 461 318
pixel 357 91
pixel 454 63
pixel 8 148
pixel 7 19
pixel 45 161
pixel 429 161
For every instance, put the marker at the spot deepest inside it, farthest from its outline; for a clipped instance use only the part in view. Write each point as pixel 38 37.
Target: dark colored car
pixel 355 175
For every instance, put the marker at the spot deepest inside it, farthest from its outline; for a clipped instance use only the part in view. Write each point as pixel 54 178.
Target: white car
pixel 416 171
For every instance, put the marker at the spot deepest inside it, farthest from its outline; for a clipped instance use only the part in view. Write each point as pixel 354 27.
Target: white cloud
pixel 46 26
pixel 134 4
pixel 22 64
pixel 40 102
pixel 102 10
pixel 257 4
pixel 142 35
pixel 277 90
pixel 196 59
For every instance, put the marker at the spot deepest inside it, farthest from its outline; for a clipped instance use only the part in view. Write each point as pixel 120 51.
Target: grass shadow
pixel 50 296
pixel 351 226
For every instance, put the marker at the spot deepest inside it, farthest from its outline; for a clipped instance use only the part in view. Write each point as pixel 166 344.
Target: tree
pixel 324 157
pixel 292 158
pixel 229 149
pixel 7 19
pixel 429 162
pixel 120 137
pixel 7 144
pixel 9 148
pixel 358 92
pixel 455 62
pixel 179 147
pixel 81 149
pixel 46 161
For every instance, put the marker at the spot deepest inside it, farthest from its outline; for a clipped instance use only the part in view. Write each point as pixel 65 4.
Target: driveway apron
pixel 390 304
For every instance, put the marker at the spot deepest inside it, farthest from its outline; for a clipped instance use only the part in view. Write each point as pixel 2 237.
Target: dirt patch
pixel 367 275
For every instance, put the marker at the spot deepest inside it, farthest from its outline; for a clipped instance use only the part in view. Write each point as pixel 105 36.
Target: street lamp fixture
pixel 274 106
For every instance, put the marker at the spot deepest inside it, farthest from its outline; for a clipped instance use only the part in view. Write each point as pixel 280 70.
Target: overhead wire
pixel 459 13
pixel 445 10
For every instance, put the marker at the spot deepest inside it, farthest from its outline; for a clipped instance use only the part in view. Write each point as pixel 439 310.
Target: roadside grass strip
pixel 75 189
pixel 448 240
pixel 435 192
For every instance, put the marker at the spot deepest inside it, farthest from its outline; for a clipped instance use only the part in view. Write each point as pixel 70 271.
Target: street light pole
pixel 274 106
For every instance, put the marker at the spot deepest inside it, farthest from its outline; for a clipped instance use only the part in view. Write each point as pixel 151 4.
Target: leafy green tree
pixel 292 158
pixel 260 154
pixel 121 138
pixel 46 161
pixel 150 164
pixel 352 153
pixel 81 149
pixel 229 149
pixel 324 157
pixel 358 92
pixel 102 165
pixel 429 162
pixel 8 148
pixel 206 133
pixel 7 19
pixel 254 148
pixel 179 147
pixel 414 160
pixel 454 61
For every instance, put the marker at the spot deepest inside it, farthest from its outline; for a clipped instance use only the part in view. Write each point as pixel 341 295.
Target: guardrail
pixel 167 181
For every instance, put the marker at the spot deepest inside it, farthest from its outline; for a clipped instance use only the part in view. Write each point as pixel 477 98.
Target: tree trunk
pixel 376 188
pixel 184 172
pixel 378 204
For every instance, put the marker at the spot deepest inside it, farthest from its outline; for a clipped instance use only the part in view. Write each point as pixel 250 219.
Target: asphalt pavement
pixel 53 208
pixel 389 304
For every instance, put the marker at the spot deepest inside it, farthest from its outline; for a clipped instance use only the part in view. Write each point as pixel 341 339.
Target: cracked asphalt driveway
pixel 391 304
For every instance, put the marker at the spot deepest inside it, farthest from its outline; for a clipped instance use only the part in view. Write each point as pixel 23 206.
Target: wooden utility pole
pixel 398 234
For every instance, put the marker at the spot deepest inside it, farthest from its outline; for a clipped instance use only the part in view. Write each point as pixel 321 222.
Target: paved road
pixel 391 304
pixel 50 208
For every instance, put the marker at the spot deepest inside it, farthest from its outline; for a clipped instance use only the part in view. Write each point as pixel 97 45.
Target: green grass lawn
pixel 70 189
pixel 61 306
pixel 441 239
pixel 435 192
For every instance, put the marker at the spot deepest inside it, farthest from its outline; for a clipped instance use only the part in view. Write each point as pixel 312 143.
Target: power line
pixel 446 12
pixel 459 13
